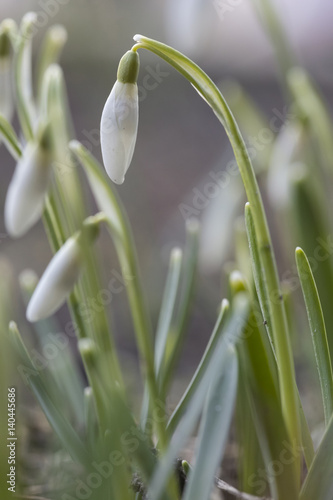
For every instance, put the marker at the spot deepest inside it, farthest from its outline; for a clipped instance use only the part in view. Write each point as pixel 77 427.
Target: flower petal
pixel 119 125
pixel 56 282
pixel 27 190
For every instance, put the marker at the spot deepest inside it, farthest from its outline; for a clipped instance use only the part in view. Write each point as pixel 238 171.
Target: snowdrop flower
pixel 119 122
pixel 27 190
pixel 62 272
pixel 284 153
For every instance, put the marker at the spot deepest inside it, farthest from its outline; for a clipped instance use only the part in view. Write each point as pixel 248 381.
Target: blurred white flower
pixel 189 24
pixel 28 188
pixel 56 282
pixel 217 225
pixel 283 155
pixel 120 117
pixel 62 273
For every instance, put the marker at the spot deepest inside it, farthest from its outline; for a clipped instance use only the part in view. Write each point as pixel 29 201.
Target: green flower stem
pixel 142 325
pixel 8 135
pixel 208 90
pixel 71 202
pixel 120 231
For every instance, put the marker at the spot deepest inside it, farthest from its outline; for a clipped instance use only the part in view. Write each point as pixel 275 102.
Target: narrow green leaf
pixel 61 426
pixel 312 229
pixel 178 330
pixel 213 432
pixel 167 309
pixel 263 301
pixel 319 481
pixel 259 279
pixel 216 367
pixel 265 406
pixel 318 331
pixel 202 367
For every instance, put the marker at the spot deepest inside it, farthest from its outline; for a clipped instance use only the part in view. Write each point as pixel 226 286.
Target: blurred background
pixel 180 141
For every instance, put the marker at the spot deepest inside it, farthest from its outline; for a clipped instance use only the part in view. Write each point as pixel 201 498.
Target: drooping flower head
pixel 62 272
pixel 119 122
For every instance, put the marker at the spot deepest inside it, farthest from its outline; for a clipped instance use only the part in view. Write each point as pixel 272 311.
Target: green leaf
pixel 318 331
pixel 319 481
pixel 265 405
pixel 203 365
pixel 213 432
pixel 312 225
pixel 167 309
pixel 257 270
pixel 215 368
pixel 61 426
pixel 178 330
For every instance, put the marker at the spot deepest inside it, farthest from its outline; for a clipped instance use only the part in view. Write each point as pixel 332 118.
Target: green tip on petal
pixel 128 69
pixel 237 283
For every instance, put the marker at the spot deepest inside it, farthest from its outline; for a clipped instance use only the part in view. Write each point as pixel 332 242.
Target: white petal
pixel 56 282
pixel 26 193
pixel 119 126
pixel 278 176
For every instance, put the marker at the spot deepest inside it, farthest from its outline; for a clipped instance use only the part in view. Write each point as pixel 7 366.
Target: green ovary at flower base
pixel 119 122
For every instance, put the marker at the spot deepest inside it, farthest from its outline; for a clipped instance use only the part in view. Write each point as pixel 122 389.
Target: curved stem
pixel 211 94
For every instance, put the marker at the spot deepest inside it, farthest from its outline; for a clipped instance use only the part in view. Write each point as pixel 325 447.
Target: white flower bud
pixel 62 273
pixel 119 122
pixel 27 190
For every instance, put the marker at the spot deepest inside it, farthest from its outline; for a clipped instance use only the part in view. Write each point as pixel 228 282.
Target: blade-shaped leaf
pixel 202 367
pixel 213 431
pixel 319 481
pixel 318 331
pixel 61 426
pixel 186 426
